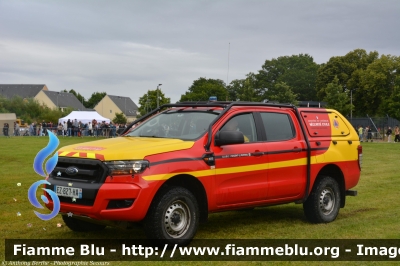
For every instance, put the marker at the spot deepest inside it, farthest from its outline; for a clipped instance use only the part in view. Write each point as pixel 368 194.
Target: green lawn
pixel 373 214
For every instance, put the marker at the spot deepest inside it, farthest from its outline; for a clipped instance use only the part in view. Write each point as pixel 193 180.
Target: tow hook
pixel 351 193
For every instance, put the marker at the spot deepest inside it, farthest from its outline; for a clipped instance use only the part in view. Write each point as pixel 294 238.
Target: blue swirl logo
pixel 44 153
pixel 49 166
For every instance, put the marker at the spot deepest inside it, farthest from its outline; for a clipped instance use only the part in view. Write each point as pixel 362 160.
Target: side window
pixel 277 126
pixel 243 123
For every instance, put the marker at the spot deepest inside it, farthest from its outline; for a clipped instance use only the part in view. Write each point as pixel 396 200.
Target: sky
pixel 127 47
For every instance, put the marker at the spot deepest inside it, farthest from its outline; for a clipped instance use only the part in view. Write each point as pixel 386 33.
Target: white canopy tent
pixel 84 117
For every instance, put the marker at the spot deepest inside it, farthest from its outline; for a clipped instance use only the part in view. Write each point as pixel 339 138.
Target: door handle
pixel 295 149
pixel 258 153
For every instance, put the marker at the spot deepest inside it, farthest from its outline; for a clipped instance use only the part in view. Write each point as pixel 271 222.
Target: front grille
pixel 88 170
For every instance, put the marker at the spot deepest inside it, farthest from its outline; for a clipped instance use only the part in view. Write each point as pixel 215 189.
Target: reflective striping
pixel 89 155
pixel 99 157
pixel 158 177
pixel 230 170
pixel 257 167
pixel 239 169
pixel 227 156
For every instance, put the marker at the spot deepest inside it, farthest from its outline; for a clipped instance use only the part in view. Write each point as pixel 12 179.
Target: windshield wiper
pixel 150 136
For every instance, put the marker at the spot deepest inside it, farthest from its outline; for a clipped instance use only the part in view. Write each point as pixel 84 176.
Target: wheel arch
pixel 336 173
pixel 192 184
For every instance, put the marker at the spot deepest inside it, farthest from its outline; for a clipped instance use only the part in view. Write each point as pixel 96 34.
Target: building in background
pixel 107 107
pixel 112 104
pixel 22 90
pixel 40 92
pixel 60 100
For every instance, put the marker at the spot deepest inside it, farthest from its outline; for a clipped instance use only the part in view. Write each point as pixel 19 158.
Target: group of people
pixel 389 133
pixel 75 128
pixel 6 129
pixel 70 128
pixel 40 129
pixel 365 134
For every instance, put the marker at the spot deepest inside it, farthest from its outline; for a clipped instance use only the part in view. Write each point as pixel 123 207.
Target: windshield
pixel 185 125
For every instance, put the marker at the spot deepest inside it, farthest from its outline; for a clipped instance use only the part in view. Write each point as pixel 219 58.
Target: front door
pixel 240 168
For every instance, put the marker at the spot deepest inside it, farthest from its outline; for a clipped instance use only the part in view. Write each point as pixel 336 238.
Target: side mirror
pixel 228 137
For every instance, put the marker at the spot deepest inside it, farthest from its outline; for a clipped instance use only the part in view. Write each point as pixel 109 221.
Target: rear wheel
pixel 81 225
pixel 173 217
pixel 323 204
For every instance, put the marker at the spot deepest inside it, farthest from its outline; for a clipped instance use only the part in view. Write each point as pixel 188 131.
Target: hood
pixel 123 148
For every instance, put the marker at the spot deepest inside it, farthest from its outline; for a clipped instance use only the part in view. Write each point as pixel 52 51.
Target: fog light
pixel 120 204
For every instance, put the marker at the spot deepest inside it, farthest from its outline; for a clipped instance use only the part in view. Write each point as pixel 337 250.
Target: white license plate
pixel 71 192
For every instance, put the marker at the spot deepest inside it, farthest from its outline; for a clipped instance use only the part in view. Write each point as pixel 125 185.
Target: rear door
pixel 286 155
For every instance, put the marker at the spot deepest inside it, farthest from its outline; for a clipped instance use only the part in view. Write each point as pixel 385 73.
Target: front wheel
pixel 173 217
pixel 323 204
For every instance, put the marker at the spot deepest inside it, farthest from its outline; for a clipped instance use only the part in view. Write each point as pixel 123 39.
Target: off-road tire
pixel 80 225
pixel 173 217
pixel 323 204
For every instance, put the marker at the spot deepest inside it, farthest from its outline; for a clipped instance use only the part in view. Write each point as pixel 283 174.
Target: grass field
pixel 373 214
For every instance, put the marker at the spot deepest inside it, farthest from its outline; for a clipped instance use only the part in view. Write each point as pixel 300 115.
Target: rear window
pixel 277 126
pixel 324 124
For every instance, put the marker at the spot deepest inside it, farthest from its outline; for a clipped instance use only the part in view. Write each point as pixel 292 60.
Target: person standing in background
pixel 389 134
pixel 69 128
pixel 96 130
pixel 90 126
pixel 40 129
pixel 65 128
pixel 360 133
pixel 31 130
pixel 59 129
pixel 16 129
pixel 396 134
pixel 5 129
pixel 34 129
pixel 44 128
pixel 369 136
pixel 365 134
pixel 75 128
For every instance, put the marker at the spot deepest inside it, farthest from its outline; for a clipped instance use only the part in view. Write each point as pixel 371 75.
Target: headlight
pixel 127 167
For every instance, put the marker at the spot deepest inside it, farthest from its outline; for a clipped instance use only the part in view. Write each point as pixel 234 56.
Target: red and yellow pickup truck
pixel 174 166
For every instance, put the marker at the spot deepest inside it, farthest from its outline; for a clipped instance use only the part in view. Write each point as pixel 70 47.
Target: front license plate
pixel 71 192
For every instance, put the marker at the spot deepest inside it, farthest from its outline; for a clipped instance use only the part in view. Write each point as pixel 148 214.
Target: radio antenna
pixel 227 75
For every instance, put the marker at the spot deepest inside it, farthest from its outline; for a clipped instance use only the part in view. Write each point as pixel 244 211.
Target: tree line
pixel 358 83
